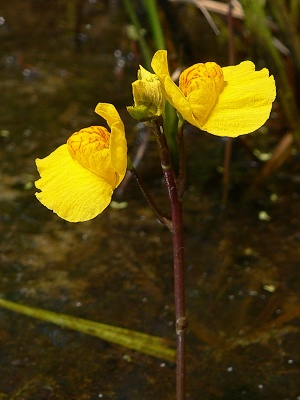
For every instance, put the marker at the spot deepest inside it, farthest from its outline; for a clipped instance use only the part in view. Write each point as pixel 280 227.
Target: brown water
pixel 242 266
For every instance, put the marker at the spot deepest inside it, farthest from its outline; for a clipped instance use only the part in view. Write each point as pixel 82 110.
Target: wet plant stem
pixel 178 257
pixel 181 180
pixel 162 217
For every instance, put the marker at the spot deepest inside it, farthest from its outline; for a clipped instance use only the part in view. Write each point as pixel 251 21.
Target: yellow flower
pixel 229 101
pixel 78 178
pixel 149 101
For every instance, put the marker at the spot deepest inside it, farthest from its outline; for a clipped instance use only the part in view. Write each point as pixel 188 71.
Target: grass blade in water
pixel 152 345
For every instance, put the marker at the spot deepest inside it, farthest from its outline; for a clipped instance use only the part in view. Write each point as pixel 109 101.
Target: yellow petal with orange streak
pixel 245 103
pixel 73 192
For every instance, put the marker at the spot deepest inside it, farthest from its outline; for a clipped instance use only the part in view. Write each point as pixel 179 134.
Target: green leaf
pixel 152 345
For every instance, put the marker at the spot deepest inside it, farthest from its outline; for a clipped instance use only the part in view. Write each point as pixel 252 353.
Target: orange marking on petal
pixel 209 74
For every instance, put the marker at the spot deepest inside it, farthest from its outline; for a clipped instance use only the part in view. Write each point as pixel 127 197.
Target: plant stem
pixel 162 217
pixel 136 23
pixel 181 179
pixel 178 257
pixel 155 24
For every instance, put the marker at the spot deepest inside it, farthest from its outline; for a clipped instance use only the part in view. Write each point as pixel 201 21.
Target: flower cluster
pixel 79 177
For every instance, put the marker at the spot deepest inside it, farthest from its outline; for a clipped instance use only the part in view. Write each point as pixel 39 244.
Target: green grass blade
pixel 155 24
pixel 152 345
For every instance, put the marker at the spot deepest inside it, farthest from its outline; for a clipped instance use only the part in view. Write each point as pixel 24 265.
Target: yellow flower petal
pixel 245 103
pixel 118 144
pixel 74 193
pixel 171 91
pixel 78 178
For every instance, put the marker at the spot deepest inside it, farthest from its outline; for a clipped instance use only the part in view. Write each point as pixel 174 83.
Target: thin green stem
pixel 162 217
pixel 155 24
pixel 159 41
pixel 135 22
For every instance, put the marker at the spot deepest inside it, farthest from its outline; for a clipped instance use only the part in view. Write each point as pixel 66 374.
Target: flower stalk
pixel 162 217
pixel 178 259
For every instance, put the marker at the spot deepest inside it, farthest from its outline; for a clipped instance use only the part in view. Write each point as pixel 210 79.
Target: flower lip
pixel 94 136
pixel 208 73
pixel 90 147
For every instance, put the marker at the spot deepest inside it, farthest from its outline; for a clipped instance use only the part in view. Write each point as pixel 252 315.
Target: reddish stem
pixel 178 255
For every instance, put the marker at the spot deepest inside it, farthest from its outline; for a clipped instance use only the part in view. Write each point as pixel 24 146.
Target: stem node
pixel 181 325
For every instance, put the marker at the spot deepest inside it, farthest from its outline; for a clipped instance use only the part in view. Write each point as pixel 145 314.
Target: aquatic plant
pixel 78 178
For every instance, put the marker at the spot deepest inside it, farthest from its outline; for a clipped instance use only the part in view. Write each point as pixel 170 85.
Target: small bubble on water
pixel 27 132
pixel 26 72
pixel 2 20
pixel 162 365
pixel 229 369
pixel 260 386
pixel 100 395
pixel 252 293
pixel 121 63
pixel 127 358
pixel 290 361
pixel 10 60
pixel 117 53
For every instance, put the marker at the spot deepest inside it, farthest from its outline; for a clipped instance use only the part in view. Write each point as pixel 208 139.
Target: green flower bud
pixel 149 101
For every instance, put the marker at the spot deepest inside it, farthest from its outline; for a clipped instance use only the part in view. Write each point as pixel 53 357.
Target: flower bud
pixel 149 101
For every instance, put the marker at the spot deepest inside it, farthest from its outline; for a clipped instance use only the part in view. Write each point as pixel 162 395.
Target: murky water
pixel 242 265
